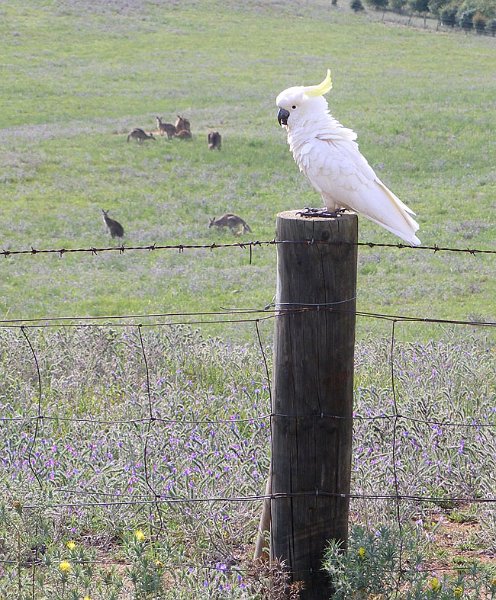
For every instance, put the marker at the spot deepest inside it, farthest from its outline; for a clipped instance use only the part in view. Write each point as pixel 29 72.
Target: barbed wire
pixel 250 245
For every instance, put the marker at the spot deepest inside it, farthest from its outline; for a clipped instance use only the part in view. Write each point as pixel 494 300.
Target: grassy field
pixel 136 416
pixel 77 77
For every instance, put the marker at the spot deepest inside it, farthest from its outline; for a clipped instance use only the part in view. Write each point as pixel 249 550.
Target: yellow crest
pixel 322 88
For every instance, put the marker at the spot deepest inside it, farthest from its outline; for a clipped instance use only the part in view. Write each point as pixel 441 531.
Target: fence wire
pixel 249 245
pixel 155 500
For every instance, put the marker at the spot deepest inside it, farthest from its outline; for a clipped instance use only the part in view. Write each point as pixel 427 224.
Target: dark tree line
pixel 470 15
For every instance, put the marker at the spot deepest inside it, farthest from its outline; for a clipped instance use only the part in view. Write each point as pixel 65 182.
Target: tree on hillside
pixel 487 8
pixel 466 19
pixel 480 23
pixel 419 6
pixel 356 5
pixel 467 9
pixel 397 5
pixel 447 15
pixel 435 6
pixel 378 4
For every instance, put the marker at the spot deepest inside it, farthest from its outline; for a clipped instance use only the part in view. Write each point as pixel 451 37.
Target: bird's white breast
pixel 305 141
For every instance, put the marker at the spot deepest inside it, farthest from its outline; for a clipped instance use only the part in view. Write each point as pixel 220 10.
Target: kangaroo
pixel 183 134
pixel 114 227
pixel 165 128
pixel 182 123
pixel 236 224
pixel 139 135
pixel 214 140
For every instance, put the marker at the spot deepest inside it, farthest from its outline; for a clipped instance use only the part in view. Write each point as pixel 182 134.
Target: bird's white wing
pixel 337 169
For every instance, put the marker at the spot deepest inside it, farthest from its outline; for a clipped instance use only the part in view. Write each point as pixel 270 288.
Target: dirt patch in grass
pixel 457 544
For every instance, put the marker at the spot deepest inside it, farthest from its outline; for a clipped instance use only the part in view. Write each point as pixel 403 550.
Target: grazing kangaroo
pixel 184 134
pixel 182 124
pixel 236 224
pixel 139 135
pixel 114 227
pixel 165 128
pixel 214 140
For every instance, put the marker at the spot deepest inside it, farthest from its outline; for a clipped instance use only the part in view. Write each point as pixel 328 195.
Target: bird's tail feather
pixel 395 199
pixel 404 226
pixel 407 236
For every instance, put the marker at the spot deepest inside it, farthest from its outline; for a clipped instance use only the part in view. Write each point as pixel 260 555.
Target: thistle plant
pixel 388 564
pixel 145 568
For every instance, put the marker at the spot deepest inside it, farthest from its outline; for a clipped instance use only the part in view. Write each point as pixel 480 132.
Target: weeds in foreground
pixel 75 491
pixel 384 564
pixel 137 568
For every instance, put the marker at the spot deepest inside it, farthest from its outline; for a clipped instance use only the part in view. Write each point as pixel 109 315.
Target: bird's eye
pixel 293 107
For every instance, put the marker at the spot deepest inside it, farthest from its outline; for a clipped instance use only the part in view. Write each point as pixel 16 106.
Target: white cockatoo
pixel 329 156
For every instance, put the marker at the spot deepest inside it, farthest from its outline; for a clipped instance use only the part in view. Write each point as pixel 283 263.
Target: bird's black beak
pixel 282 116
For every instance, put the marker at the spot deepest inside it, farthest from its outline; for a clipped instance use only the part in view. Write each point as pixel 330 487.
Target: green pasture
pixel 78 76
pixel 169 409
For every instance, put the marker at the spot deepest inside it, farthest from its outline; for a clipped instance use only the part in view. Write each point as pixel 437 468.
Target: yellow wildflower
pixel 435 584
pixel 71 544
pixel 159 564
pixel 139 535
pixel 458 591
pixel 86 598
pixel 361 552
pixel 65 566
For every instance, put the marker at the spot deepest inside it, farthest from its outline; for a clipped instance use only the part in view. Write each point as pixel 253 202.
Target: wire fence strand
pixel 250 245
pixel 230 315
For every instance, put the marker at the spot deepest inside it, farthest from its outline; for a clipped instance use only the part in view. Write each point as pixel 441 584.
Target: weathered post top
pixel 323 272
pixel 343 228
pixel 297 214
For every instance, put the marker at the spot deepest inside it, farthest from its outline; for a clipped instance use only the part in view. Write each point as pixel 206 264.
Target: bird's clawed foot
pixel 320 212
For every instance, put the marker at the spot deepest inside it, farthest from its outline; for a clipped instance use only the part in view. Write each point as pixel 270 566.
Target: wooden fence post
pixel 312 400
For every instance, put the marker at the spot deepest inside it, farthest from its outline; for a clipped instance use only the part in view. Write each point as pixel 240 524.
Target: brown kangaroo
pixel 139 135
pixel 236 224
pixel 183 134
pixel 182 123
pixel 165 128
pixel 214 140
pixel 114 227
